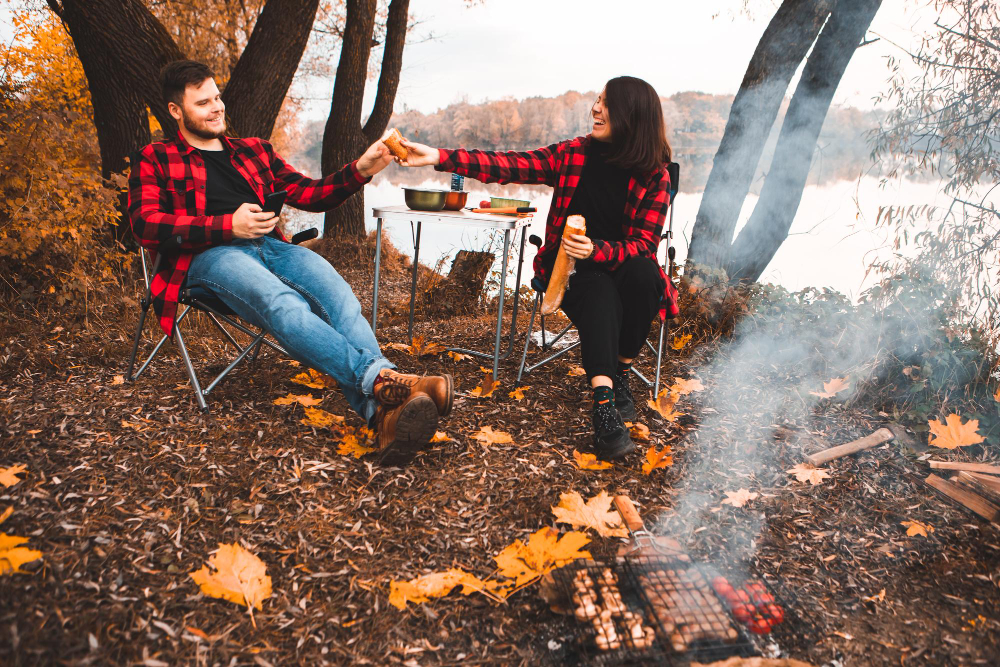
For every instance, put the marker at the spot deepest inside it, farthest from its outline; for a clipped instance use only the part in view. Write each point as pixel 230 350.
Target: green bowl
pixel 502 202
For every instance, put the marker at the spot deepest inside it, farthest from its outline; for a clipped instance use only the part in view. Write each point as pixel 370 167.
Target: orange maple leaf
pixel 739 498
pixel 118 379
pixel 458 356
pixel 236 575
pixel 318 418
pixel 6 513
pixel 518 393
pixel 441 436
pixel 996 395
pixel 807 473
pixel 657 459
pixel 315 380
pixel 953 433
pixel 638 431
pixel 487 386
pixel 544 552
pixel 682 386
pixel 350 445
pixel 9 476
pixel 576 370
pixel 434 585
pixel 832 388
pixel 590 462
pixel 917 528
pixel 664 405
pixel 304 399
pixel 595 514
pixel 680 342
pixel 487 436
pixel 12 555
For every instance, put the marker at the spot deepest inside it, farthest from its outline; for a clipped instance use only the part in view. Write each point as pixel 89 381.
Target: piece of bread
pixel 396 148
pixel 563 267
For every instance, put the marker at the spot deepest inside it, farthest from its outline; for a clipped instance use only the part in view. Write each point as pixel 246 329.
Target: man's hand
pixel 578 246
pixel 419 155
pixel 252 222
pixel 375 159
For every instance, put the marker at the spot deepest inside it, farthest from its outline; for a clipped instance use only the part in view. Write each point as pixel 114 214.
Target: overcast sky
pixel 523 48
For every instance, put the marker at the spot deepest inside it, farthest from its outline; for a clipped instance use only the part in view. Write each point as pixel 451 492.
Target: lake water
pixel 833 237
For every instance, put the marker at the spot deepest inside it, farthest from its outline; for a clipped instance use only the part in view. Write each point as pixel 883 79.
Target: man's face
pixel 201 110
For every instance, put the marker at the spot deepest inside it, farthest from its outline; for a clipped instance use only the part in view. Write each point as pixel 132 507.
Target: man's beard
pixel 202 132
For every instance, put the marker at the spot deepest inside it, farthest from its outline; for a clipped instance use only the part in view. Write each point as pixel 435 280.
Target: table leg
pixel 503 288
pixel 378 261
pixel 517 294
pixel 413 282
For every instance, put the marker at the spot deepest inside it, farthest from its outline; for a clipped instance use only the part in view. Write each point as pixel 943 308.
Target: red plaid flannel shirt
pixel 166 198
pixel 560 166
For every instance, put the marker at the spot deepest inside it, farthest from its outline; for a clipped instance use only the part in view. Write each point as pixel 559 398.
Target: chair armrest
pixel 305 235
pixel 535 240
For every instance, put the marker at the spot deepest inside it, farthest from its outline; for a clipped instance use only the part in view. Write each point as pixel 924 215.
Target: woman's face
pixel 602 124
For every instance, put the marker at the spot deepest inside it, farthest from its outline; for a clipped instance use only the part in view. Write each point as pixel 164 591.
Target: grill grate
pixel 652 609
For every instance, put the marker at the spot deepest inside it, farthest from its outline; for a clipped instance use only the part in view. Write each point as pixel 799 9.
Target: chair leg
pixel 135 341
pixel 527 337
pixel 659 358
pixel 179 338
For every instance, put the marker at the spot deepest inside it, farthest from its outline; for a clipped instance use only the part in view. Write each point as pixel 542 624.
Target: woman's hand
pixel 419 155
pixel 375 159
pixel 578 246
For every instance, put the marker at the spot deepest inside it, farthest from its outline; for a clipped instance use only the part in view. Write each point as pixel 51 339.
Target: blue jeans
pixel 297 297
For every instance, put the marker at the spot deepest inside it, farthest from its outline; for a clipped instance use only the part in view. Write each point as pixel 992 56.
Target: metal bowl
pixel 419 199
pixel 455 200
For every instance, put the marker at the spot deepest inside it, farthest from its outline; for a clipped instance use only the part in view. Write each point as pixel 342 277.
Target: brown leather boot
pixel 397 387
pixel 405 429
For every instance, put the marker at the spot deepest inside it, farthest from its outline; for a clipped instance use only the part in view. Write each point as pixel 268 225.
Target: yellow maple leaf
pixel 953 433
pixel 234 574
pixel 9 476
pixel 595 514
pixel 638 431
pixel 657 459
pixel 680 342
pixel 487 436
pixel 740 497
pixel 458 356
pixel 487 386
pixel 441 436
pixel 590 462
pixel 576 370
pixel 807 473
pixel 832 388
pixel 917 528
pixel 435 585
pixel 304 399
pixel 544 552
pixel 315 380
pixel 664 405
pixel 518 393
pixel 12 555
pixel 318 418
pixel 682 386
pixel 351 446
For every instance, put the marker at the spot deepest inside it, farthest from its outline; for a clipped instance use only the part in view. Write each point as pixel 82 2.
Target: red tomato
pixel 775 613
pixel 743 597
pixel 719 582
pixel 759 626
pixel 743 613
pixel 755 587
pixel 763 598
pixel 486 203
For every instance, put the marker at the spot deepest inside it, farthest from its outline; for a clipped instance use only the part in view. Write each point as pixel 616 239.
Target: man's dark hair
pixel 178 75
pixel 638 133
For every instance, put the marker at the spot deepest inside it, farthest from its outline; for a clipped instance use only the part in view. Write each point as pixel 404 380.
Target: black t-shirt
pixel 225 189
pixel 600 194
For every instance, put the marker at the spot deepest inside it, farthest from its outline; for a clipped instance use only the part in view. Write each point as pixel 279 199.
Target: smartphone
pixel 274 201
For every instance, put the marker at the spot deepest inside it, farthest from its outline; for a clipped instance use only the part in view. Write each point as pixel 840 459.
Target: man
pixel 209 189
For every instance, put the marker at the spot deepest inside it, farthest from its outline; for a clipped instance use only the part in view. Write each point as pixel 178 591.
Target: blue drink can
pixel 457 183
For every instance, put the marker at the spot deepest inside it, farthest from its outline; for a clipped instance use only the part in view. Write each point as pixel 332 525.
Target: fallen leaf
pixel 402 347
pixel 544 552
pixel 576 370
pixel 304 399
pixel 638 431
pixel 590 462
pixel 680 342
pixel 8 476
pixel 236 575
pixel 318 418
pixel 419 347
pixel 351 446
pixel 953 433
pixel 118 379
pixel 657 459
pixel 518 393
pixel 996 395
pixel 458 356
pixel 487 386
pixel 917 528
pixel 878 597
pixel 832 388
pixel 595 514
pixel 682 386
pixel 441 436
pixel 315 380
pixel 6 513
pixel 806 473
pixel 435 585
pixel 487 436
pixel 739 498
pixel 664 405
pixel 13 556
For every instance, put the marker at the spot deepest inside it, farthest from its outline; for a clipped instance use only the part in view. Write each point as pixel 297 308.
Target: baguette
pixel 392 141
pixel 563 267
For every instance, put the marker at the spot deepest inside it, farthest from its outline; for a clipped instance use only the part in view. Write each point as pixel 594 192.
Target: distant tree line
pixel 695 122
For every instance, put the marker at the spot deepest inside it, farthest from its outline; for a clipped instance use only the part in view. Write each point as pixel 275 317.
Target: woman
pixel 616 178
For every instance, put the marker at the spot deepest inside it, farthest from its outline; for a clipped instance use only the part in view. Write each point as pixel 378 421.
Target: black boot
pixel 611 438
pixel 624 400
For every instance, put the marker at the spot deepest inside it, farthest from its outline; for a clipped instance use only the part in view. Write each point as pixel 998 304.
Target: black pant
pixel 612 311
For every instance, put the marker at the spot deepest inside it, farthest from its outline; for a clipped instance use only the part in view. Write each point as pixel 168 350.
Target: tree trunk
pixel 344 139
pixel 261 77
pixel 779 199
pixel 784 44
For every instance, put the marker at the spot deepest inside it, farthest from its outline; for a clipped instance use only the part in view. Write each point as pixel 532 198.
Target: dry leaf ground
pixel 121 514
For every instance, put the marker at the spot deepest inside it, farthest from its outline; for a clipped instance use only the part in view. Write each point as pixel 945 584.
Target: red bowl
pixel 454 200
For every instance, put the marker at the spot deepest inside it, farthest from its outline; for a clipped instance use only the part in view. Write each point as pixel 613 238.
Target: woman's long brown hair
pixel 638 133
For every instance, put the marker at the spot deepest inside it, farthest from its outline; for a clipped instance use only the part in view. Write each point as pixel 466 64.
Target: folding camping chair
pixel 673 169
